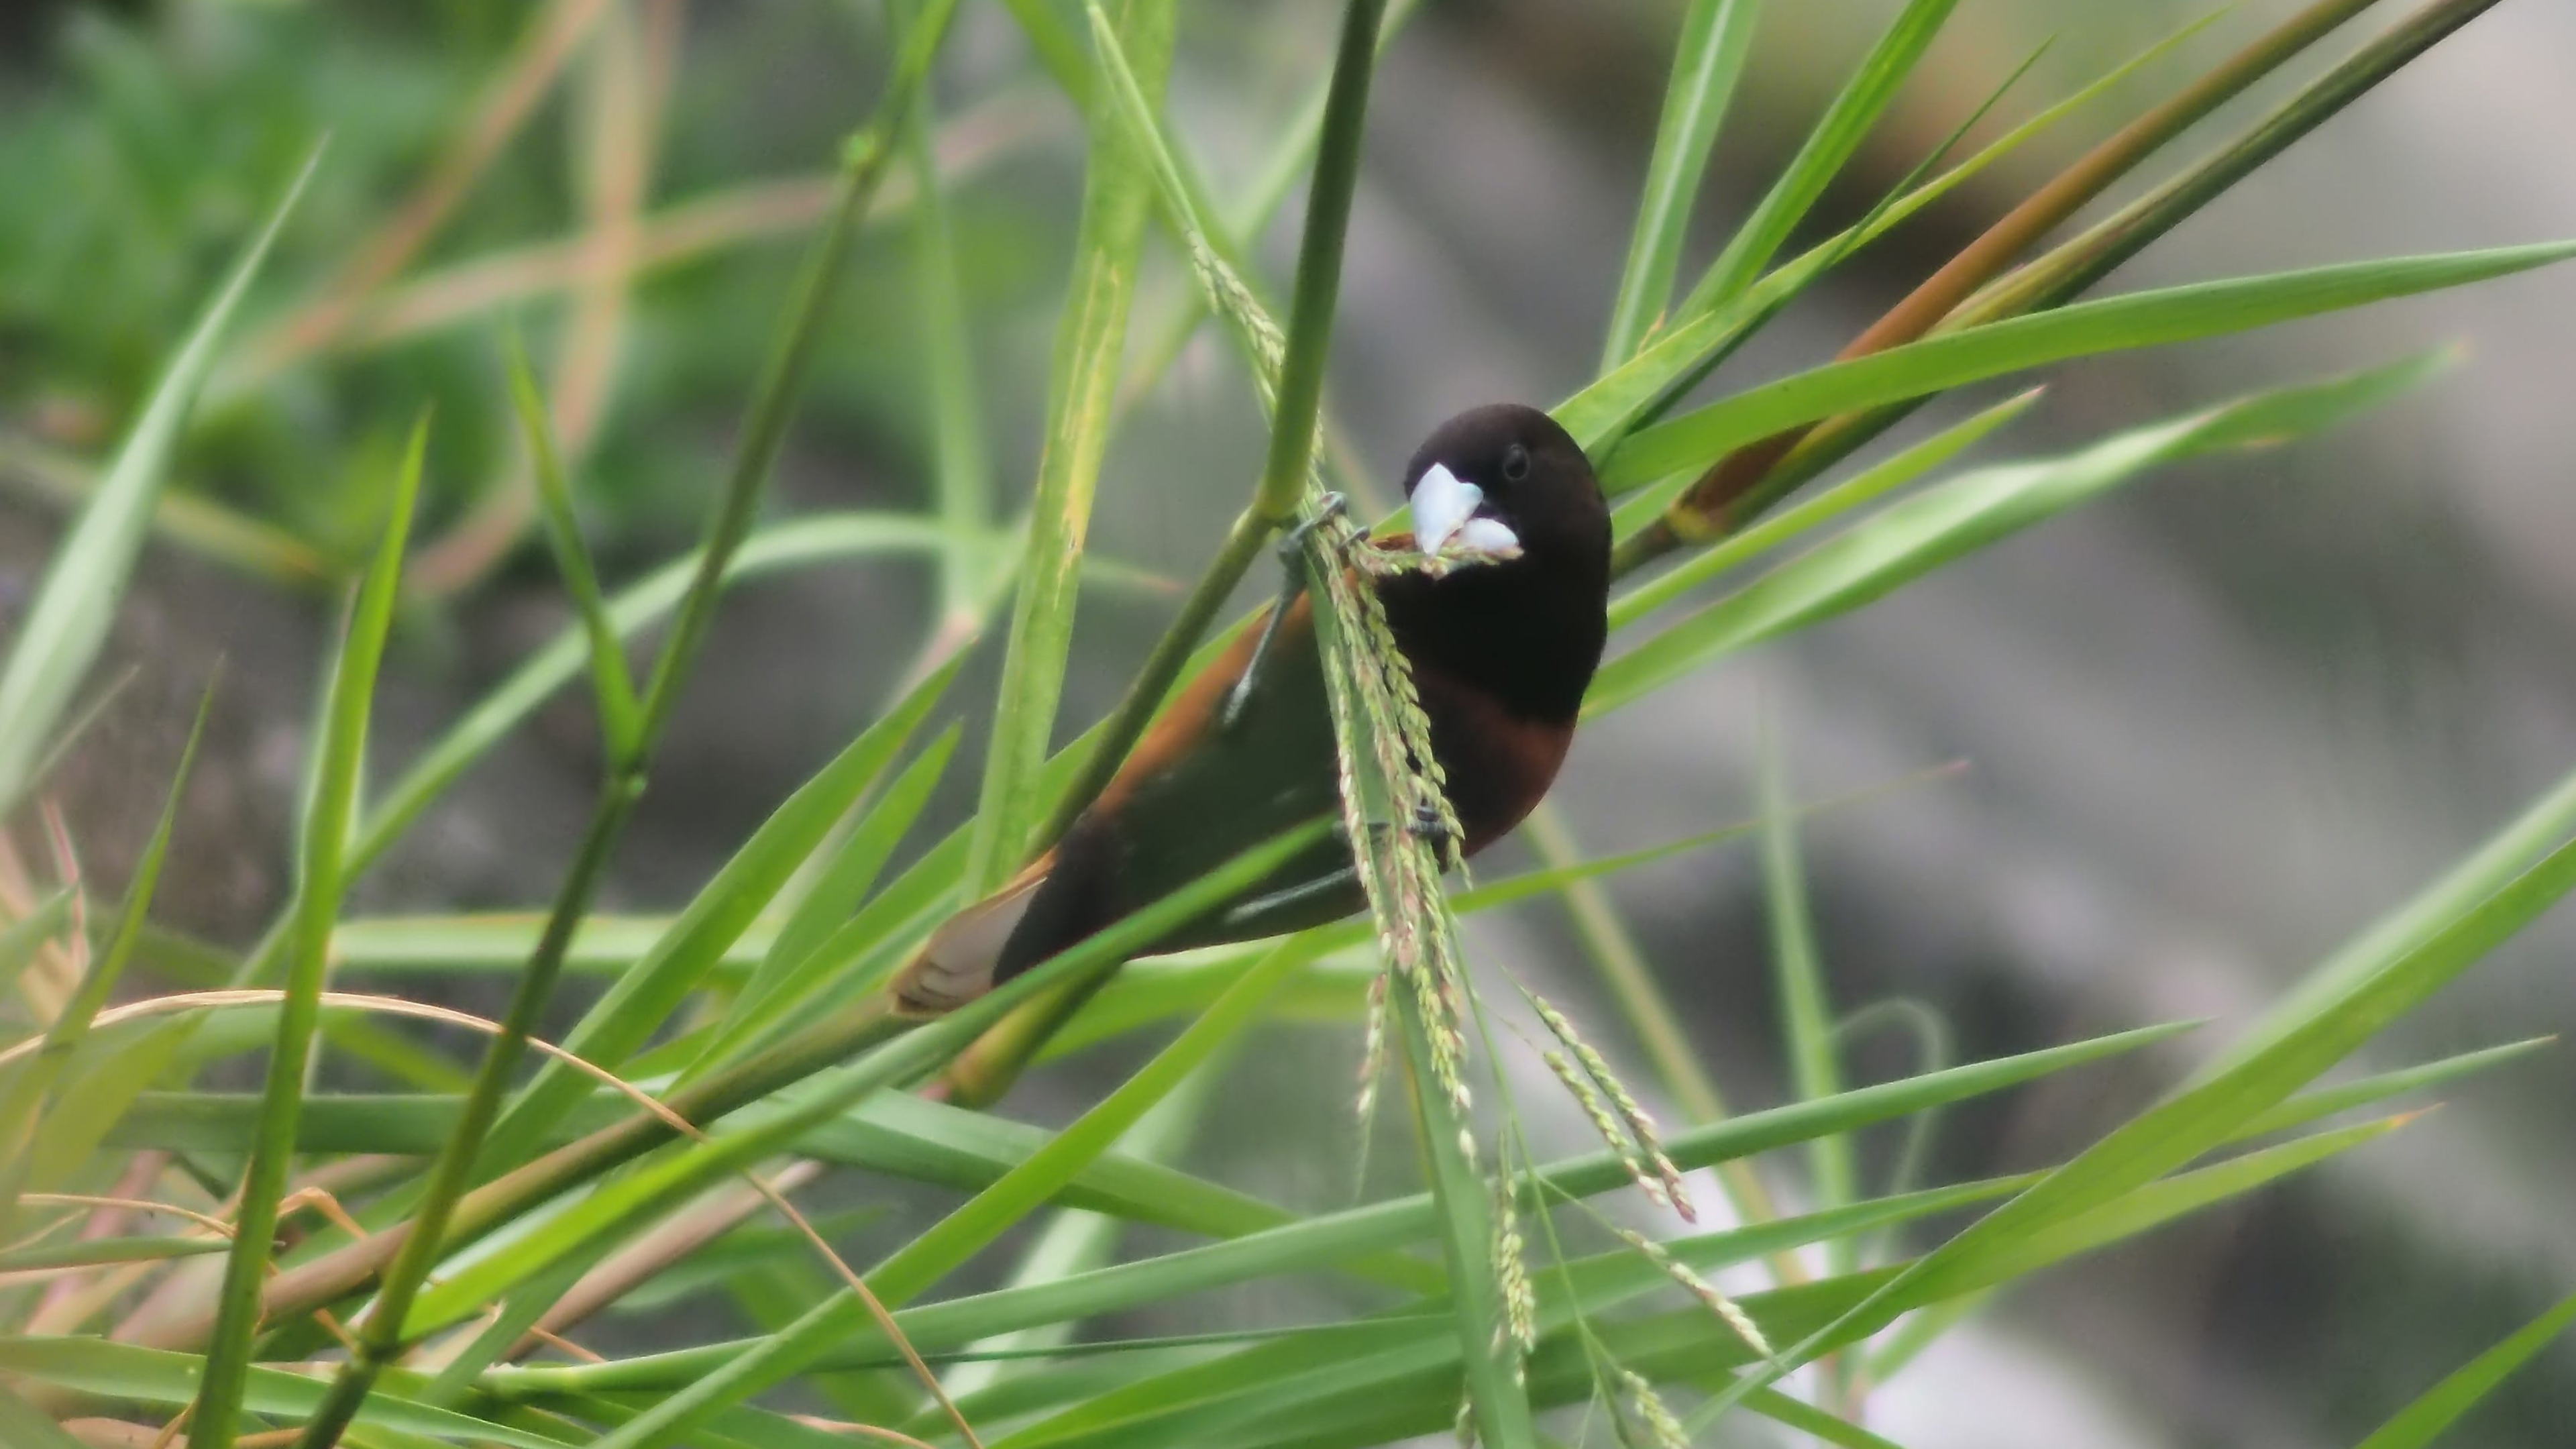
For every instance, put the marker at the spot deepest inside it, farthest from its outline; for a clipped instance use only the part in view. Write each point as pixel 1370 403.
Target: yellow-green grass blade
pixel 781 979
pixel 918 1265
pixel 2422 1423
pixel 2371 1090
pixel 33 1150
pixel 774 1122
pixel 1073 1240
pixel 1693 1345
pixel 2110 324
pixel 157 1376
pixel 1910 539
pixel 961 464
pixel 1858 491
pixel 59 636
pixel 893 1136
pixel 1306 1373
pixel 1140 996
pixel 1708 57
pixel 644 998
pixel 1356 1234
pixel 1837 135
pixel 1108 246
pixel 612 687
pixel 2067 270
pixel 2218 1104
pixel 215 1423
pixel 99 1252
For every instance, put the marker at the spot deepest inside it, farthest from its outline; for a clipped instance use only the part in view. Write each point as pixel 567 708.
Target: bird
pixel 1501 649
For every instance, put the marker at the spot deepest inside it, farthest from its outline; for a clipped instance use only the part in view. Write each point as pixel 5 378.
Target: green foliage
pixel 745 1034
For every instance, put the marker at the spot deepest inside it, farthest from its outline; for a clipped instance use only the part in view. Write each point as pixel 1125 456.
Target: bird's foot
pixel 1292 559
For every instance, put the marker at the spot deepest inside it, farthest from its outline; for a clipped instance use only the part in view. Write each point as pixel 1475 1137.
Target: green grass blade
pixel 1075 1240
pixel 1861 489
pixel 2138 319
pixel 1838 134
pixel 923 1262
pixel 1117 202
pixel 59 636
pixel 2368 1091
pixel 806 543
pixel 1707 60
pixel 772 1125
pixel 1295 394
pixel 961 465
pixel 1909 539
pixel 644 998
pixel 2421 1423
pixel 1798 975
pixel 834 898
pixel 2218 1104
pixel 94 1252
pixel 153 1376
pixel 612 688
pixel 1603 411
pixel 215 1422
pixel 25 1088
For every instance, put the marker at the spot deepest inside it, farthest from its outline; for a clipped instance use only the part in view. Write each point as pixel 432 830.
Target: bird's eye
pixel 1515 463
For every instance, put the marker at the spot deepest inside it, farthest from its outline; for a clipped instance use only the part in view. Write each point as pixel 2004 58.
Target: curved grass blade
pixel 2420 1423
pixel 1909 539
pixel 68 619
pixel 2219 1103
pixel 1798 975
pixel 214 1424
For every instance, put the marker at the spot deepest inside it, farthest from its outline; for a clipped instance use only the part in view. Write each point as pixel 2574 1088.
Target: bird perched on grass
pixel 1501 648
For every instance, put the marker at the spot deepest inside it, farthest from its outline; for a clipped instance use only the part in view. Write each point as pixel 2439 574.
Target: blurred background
pixel 2210 729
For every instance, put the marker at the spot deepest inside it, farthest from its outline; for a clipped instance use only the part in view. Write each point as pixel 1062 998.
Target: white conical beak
pixel 1445 504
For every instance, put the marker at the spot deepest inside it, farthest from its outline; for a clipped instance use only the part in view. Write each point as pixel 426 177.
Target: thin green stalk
pixel 631 745
pixel 1299 397
pixel 612 688
pixel 1708 59
pixel 961 466
pixel 1806 1015
pixel 214 1423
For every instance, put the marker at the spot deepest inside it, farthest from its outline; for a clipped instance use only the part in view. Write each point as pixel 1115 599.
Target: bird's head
pixel 1506 480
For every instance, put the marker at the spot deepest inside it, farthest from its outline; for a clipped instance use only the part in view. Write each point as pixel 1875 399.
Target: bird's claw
pixel 1292 551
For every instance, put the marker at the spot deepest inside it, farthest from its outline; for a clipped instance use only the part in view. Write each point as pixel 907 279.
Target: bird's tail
pixel 961 959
